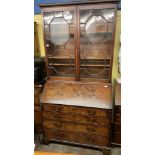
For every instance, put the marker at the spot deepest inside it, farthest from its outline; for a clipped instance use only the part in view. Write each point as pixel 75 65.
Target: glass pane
pixel 108 15
pixel 59 31
pixel 59 34
pixel 48 17
pixel 68 16
pixel 96 28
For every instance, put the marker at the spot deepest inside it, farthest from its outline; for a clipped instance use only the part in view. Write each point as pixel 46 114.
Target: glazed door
pixel 96 26
pixel 59 35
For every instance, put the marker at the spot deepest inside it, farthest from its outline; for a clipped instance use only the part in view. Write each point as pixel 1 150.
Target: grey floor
pixel 71 149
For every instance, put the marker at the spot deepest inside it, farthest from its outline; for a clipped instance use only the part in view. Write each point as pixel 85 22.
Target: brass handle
pixel 55 115
pixel 58 110
pixel 91 119
pixel 92 112
pixel 58 125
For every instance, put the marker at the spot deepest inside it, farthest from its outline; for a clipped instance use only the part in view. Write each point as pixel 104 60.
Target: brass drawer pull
pixel 58 125
pixel 94 120
pixel 58 110
pixel 92 112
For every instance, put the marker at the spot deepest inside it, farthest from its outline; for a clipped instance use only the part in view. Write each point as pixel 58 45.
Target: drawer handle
pixel 51 116
pixel 54 115
pixel 92 112
pixel 92 120
pixel 58 110
pixel 58 125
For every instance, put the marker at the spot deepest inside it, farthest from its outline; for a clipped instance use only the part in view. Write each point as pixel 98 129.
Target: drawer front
pixel 117 109
pixel 67 126
pixel 117 137
pixel 77 110
pixel 77 137
pixel 117 118
pixel 86 119
pixel 117 127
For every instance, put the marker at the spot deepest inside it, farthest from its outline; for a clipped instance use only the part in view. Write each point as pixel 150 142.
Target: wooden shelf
pixel 89 58
pixel 94 65
pixel 100 32
pixel 60 57
pixel 58 64
pixel 97 58
pixel 87 65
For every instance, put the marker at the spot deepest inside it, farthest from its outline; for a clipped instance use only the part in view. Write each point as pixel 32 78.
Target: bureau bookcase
pixel 77 97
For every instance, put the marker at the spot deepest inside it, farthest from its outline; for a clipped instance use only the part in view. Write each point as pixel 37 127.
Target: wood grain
pixel 67 126
pixel 76 110
pixel 77 118
pixel 96 95
pixel 77 137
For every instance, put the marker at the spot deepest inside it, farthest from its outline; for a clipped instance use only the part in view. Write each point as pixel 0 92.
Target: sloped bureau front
pixel 67 112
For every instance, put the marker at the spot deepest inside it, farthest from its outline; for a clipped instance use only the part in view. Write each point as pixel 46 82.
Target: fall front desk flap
pixel 97 95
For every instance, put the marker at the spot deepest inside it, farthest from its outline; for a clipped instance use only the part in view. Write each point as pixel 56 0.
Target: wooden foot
pixel 45 141
pixel 106 151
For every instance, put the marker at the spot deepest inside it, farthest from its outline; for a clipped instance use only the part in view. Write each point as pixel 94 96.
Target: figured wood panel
pixel 77 137
pixel 67 126
pixel 76 118
pixel 77 93
pixel 77 110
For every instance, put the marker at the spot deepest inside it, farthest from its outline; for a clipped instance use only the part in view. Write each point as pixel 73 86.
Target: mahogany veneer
pixel 77 98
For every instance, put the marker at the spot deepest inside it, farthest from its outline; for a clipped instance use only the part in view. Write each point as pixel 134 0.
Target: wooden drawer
pixel 117 127
pixel 77 137
pixel 117 109
pixel 77 110
pixel 67 126
pixel 86 119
